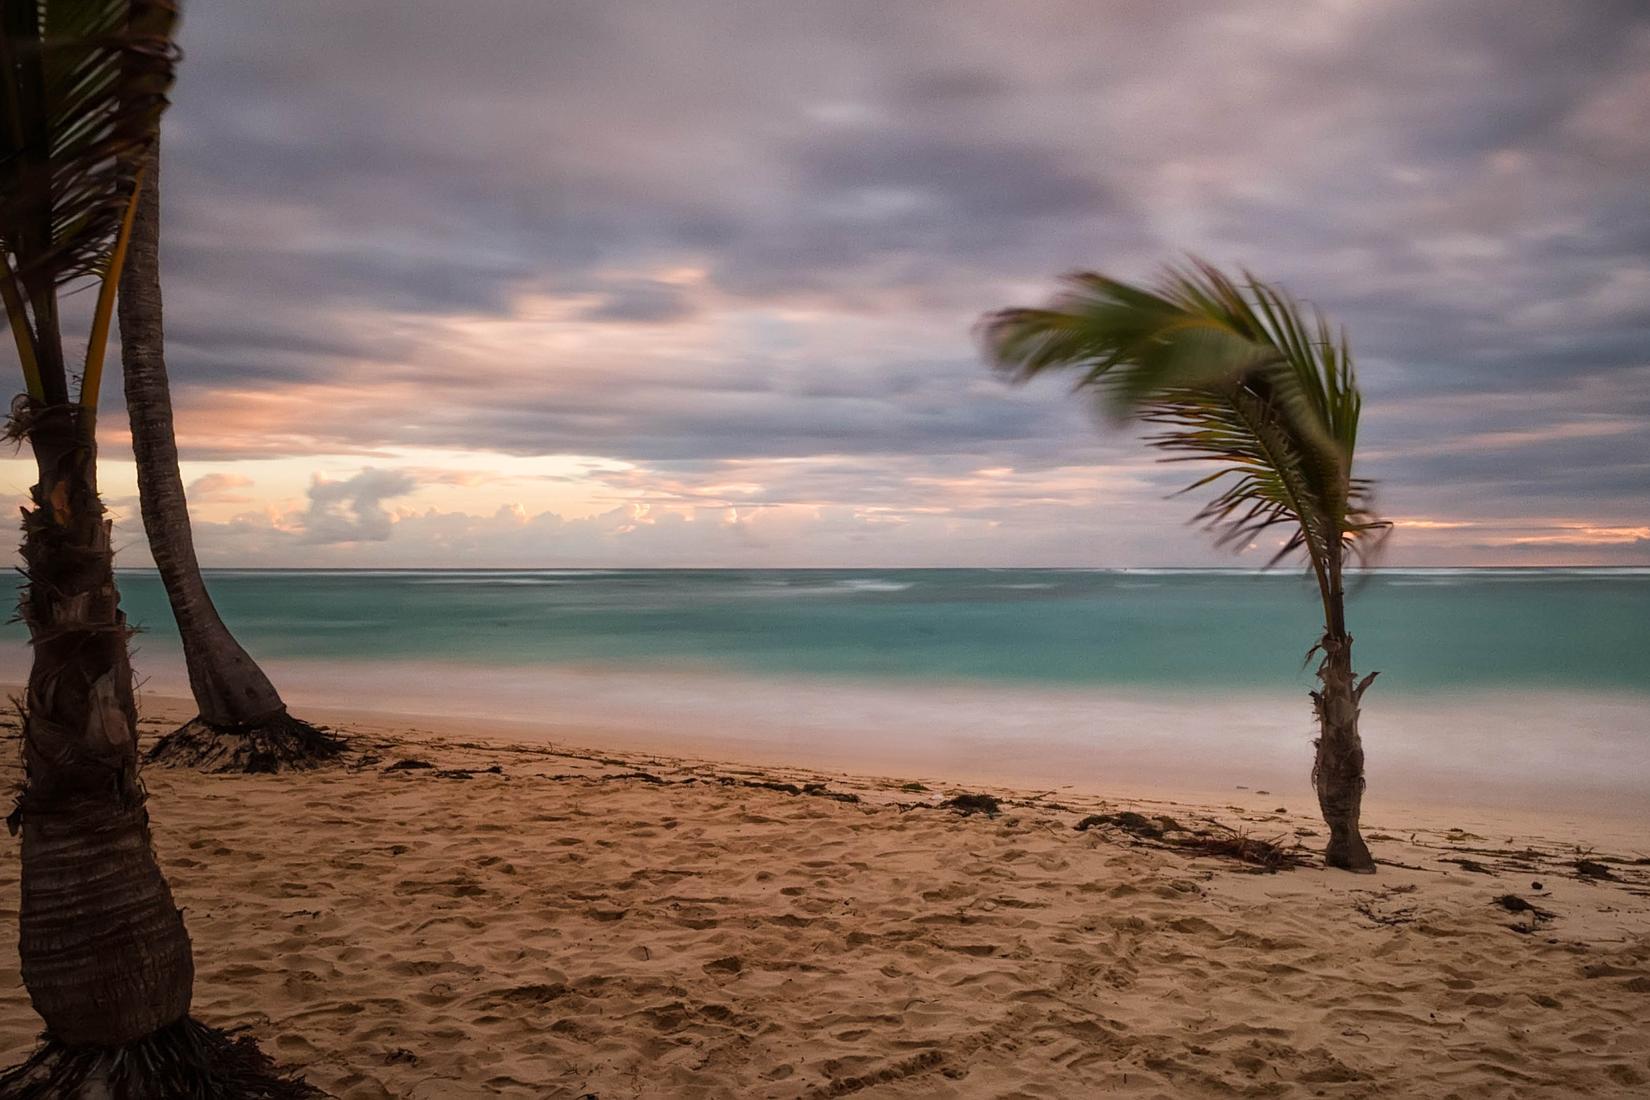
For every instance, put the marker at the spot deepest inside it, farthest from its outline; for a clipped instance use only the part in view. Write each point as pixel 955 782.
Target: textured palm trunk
pixel 243 723
pixel 229 687
pixel 1338 770
pixel 104 953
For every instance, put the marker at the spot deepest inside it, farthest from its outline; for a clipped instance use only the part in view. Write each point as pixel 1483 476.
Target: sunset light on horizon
pixel 700 290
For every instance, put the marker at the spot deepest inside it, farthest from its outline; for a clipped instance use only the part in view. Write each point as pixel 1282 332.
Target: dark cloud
pixel 887 171
pixel 642 301
pixel 851 184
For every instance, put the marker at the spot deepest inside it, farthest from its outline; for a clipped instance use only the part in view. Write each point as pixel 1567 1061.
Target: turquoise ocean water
pixel 1426 630
pixel 1494 678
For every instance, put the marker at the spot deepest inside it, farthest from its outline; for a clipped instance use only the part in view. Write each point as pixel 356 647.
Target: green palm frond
pixel 1238 375
pixel 82 87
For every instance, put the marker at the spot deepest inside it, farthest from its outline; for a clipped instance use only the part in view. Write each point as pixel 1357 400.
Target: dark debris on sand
pixel 814 790
pixel 184 1061
pixel 1512 903
pixel 966 804
pixel 1590 868
pixel 1265 855
pixel 1152 828
pixel 279 743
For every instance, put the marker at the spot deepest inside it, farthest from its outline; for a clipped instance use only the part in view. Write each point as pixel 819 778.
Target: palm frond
pixel 82 87
pixel 1239 375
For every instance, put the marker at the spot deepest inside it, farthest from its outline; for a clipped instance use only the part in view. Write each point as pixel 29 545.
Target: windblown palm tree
pixel 1243 377
pixel 104 952
pixel 243 723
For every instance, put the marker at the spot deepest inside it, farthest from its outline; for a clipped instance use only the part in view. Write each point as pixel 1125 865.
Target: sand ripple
pixel 574 924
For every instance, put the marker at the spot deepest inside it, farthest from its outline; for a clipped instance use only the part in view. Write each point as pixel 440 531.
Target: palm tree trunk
pixel 1338 770
pixel 104 953
pixel 105 956
pixel 243 724
pixel 228 685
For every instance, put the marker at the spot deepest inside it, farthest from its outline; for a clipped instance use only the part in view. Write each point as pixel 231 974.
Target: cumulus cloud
pixel 352 510
pixel 220 489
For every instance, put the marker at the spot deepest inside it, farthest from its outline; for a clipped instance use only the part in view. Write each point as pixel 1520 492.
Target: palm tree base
pixel 279 743
pixel 183 1061
pixel 1349 855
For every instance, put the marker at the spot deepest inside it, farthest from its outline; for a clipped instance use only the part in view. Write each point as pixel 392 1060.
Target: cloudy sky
pixel 588 282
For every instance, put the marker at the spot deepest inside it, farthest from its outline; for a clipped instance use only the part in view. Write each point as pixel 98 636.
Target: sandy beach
pixel 546 919
pixel 989 551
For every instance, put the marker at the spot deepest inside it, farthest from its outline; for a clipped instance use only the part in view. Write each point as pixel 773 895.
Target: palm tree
pixel 1244 377
pixel 104 953
pixel 243 723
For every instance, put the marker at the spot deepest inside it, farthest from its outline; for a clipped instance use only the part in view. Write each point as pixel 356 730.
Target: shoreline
pixel 1156 772
pixel 1620 824
pixel 1440 753
pixel 1608 824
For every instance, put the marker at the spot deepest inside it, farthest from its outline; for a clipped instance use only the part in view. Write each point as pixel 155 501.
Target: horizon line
pixel 1257 570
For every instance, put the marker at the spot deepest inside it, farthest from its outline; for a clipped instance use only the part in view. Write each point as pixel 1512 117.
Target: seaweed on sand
pixel 1267 855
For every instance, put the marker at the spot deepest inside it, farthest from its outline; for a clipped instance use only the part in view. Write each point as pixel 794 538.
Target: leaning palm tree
pixel 243 724
pixel 104 953
pixel 1242 376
